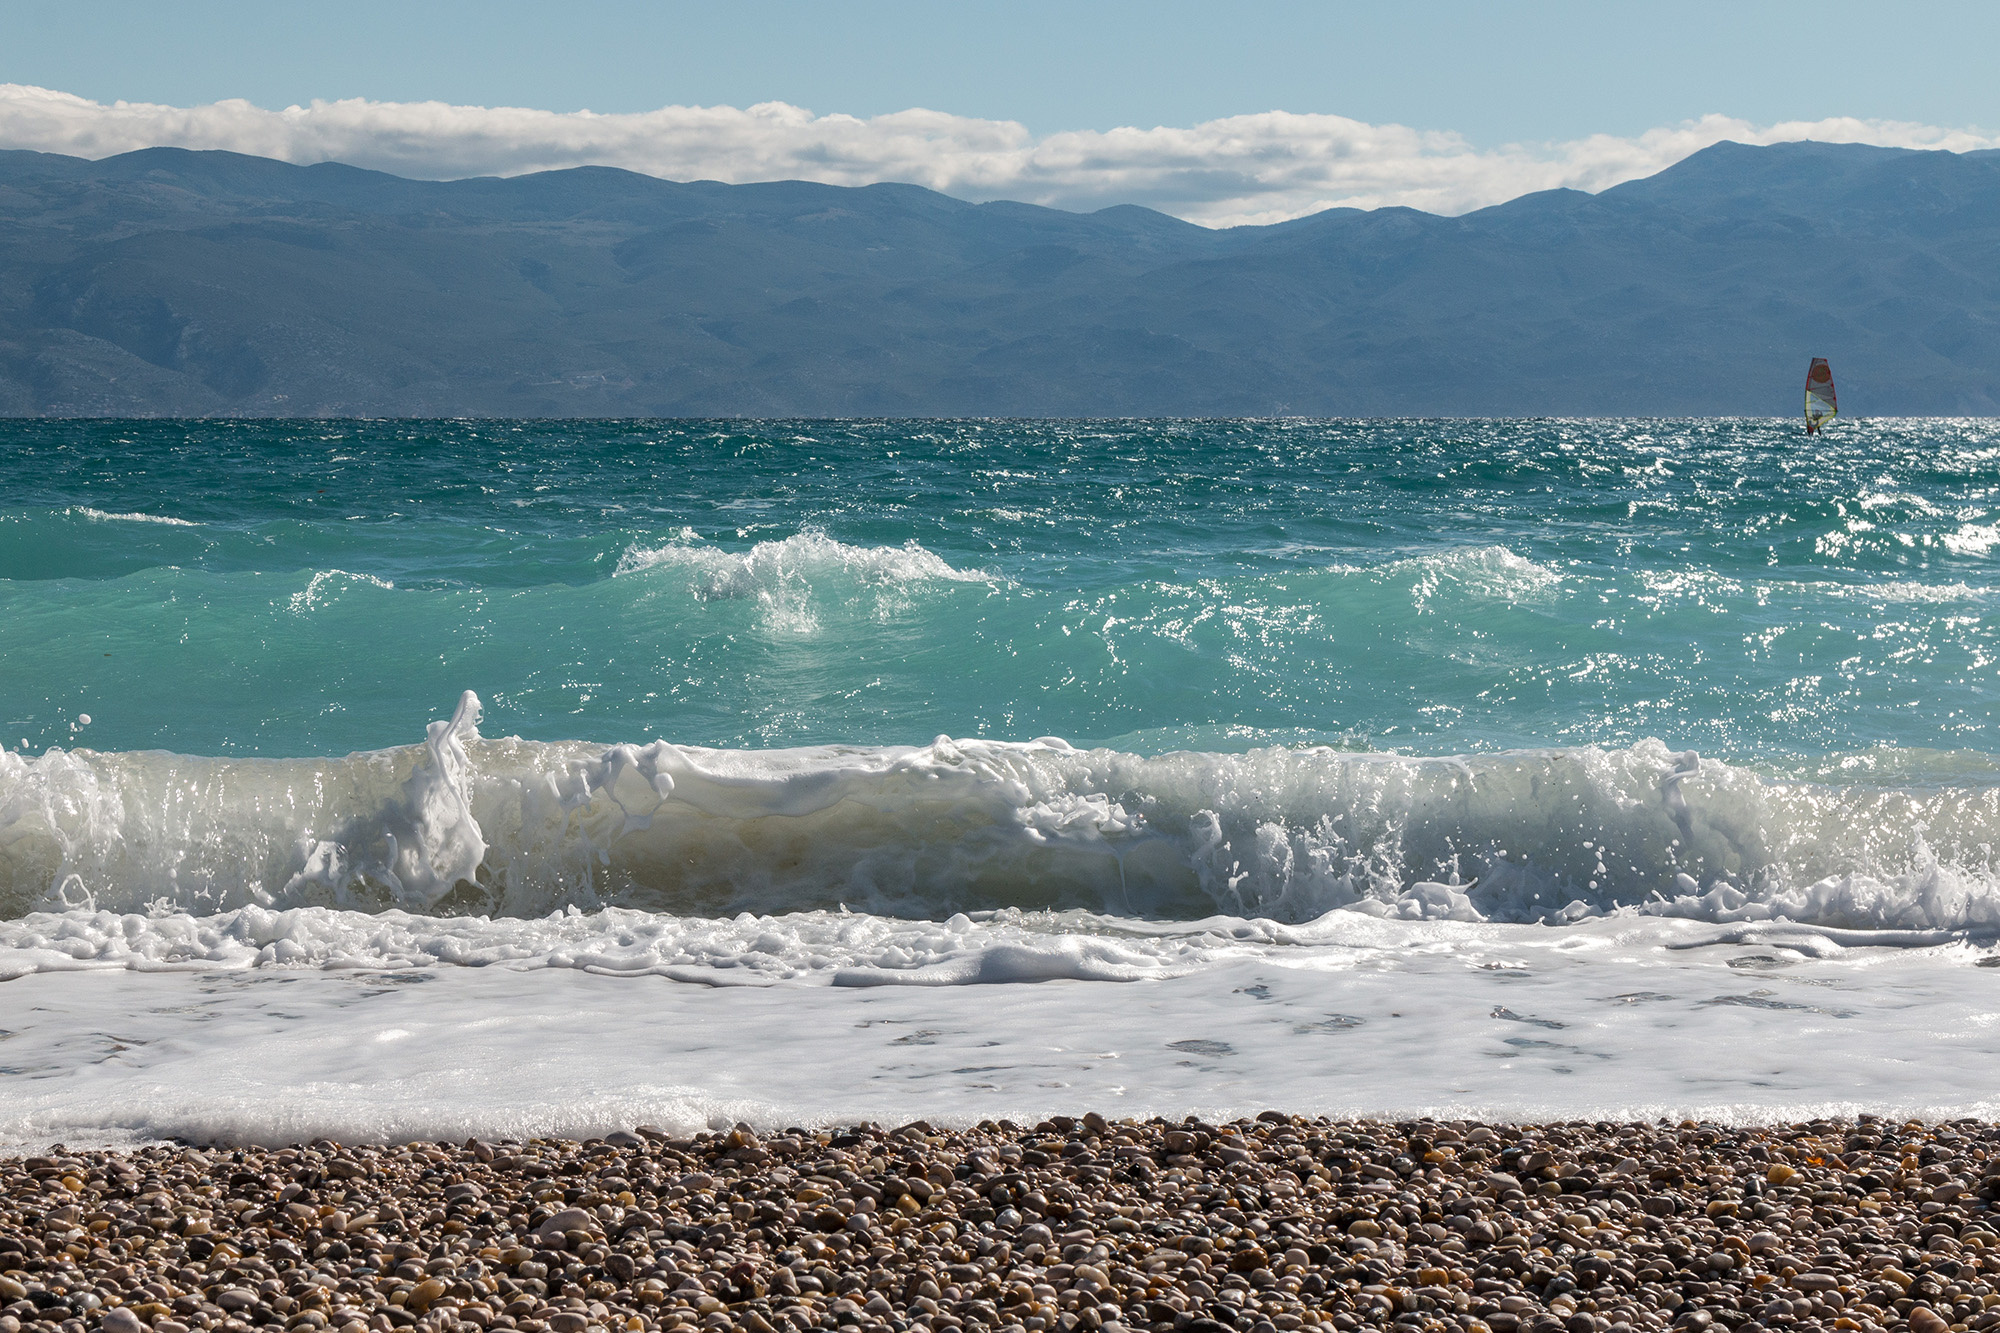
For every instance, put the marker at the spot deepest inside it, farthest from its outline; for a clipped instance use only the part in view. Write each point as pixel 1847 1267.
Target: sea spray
pixel 460 824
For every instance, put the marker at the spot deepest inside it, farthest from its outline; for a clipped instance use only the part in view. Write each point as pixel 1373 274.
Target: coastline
pixel 1280 1223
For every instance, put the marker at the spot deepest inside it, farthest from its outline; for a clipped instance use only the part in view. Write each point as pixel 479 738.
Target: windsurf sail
pixel 1820 406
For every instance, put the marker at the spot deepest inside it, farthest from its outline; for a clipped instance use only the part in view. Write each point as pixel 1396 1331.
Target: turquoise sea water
pixel 392 779
pixel 1286 666
pixel 1435 587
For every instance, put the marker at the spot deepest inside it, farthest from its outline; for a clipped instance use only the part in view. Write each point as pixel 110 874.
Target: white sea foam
pixel 1973 538
pixel 790 577
pixel 1883 591
pixel 842 948
pixel 1491 573
pixel 1631 1017
pixel 103 517
pixel 836 948
pixel 731 574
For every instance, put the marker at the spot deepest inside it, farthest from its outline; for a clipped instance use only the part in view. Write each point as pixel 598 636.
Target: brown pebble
pixel 1922 1319
pixel 1083 1223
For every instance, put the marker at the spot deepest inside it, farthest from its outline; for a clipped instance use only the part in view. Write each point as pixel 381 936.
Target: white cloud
pixel 1255 168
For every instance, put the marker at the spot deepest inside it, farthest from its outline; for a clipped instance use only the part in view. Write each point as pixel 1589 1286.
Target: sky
pixel 1442 104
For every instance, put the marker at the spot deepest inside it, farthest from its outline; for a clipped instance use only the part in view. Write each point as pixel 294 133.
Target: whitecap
pixel 790 579
pixel 1973 539
pixel 1487 572
pixel 104 517
pixel 721 573
pixel 327 584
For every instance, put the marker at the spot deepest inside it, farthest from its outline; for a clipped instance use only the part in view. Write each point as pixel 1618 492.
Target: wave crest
pixel 102 516
pixel 1491 573
pixel 787 575
pixel 462 825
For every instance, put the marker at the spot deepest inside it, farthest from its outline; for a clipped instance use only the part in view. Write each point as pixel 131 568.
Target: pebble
pixel 1269 1225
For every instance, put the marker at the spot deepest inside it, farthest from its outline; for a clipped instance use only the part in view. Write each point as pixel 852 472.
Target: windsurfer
pixel 1820 407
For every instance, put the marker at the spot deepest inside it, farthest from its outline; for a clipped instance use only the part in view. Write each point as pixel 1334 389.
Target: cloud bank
pixel 1242 169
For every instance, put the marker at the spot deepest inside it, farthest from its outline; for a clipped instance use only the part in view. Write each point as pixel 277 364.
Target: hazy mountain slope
pixel 188 283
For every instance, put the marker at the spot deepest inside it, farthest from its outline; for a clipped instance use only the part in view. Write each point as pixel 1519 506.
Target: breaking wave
pixel 786 577
pixel 1491 572
pixel 462 826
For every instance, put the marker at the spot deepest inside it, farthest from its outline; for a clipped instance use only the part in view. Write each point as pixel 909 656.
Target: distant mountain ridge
pixel 169 282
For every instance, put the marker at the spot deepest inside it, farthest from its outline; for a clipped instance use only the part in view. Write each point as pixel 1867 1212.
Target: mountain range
pixel 178 283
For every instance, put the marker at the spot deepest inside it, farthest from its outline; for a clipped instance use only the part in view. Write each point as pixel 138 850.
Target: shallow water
pixel 1610 1020
pixel 620 737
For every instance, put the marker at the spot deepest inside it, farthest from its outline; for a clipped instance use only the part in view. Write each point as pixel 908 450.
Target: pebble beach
pixel 1273 1223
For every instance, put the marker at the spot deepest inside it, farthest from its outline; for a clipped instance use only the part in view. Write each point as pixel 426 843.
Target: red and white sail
pixel 1820 405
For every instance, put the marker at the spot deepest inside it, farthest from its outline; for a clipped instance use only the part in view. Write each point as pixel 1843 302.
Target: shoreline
pixel 1278 1223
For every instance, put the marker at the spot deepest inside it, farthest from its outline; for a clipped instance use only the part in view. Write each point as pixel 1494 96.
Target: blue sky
pixel 1237 112
pixel 1492 71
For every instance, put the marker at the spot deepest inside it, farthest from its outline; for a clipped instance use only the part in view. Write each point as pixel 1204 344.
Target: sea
pixel 388 780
